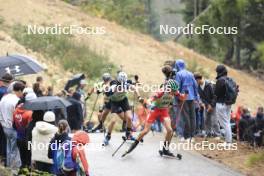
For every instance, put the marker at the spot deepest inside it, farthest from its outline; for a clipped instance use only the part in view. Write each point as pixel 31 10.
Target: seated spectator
pixel 41 136
pixel 245 122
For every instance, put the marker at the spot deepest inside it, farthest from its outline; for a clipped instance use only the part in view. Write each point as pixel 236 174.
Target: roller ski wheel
pixel 169 155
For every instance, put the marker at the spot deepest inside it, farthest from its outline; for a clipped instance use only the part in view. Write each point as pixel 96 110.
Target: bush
pixel 255 159
pixel 129 13
pixel 64 49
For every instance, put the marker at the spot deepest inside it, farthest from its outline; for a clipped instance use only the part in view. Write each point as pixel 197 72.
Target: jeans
pixel 12 153
pixel 211 124
pixel 223 113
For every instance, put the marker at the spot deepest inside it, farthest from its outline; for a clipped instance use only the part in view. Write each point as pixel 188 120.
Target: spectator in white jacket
pixel 41 136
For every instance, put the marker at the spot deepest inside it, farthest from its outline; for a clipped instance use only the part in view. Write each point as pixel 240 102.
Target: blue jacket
pixel 186 81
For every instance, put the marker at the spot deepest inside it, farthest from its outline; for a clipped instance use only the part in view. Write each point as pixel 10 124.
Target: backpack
pixel 62 158
pixel 232 90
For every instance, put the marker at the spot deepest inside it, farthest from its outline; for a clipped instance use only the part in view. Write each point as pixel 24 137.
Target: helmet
pixel 172 85
pixel 122 77
pixel 106 77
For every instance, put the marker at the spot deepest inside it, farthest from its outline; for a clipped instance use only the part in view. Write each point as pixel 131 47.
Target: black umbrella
pixel 47 103
pixel 18 65
pixel 74 81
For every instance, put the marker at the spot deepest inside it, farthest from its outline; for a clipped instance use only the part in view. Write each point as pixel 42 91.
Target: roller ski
pixel 168 154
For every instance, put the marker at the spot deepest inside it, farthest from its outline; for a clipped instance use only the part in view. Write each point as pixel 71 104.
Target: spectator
pixel 22 118
pixel 257 128
pixel 41 136
pixel 206 93
pixel 75 112
pixel 4 83
pixel 59 138
pixel 244 124
pixel 81 91
pixel 50 91
pixel 79 154
pixel 223 105
pixel 38 87
pixel 187 84
pixel 7 108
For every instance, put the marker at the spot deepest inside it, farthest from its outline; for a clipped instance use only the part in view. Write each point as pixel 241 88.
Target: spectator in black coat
pixel 206 93
pixel 75 112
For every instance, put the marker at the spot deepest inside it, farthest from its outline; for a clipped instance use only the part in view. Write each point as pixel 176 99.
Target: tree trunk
pixel 230 52
pixel 238 55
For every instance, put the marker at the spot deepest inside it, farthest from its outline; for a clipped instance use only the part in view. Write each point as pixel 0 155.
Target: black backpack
pixel 232 90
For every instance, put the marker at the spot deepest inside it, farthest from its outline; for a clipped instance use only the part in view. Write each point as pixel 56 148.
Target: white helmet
pixel 106 77
pixel 122 77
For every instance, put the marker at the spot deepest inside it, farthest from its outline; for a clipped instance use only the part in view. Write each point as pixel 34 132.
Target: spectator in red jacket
pixel 22 118
pixel 80 140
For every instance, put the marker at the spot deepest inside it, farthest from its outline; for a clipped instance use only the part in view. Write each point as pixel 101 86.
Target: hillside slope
pixel 140 54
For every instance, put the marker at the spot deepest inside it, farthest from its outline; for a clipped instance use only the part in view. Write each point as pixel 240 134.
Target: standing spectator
pixel 7 108
pixel 50 91
pixel 79 152
pixel 41 136
pixel 226 92
pixel 22 118
pixel 38 87
pixel 206 93
pixel 75 112
pixel 56 142
pixel 4 83
pixel 187 84
pixel 80 89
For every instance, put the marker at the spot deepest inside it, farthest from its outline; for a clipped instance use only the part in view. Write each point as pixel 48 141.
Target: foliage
pixel 242 50
pixel 61 48
pixel 129 13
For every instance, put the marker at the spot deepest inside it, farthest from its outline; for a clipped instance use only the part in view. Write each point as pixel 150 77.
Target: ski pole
pixel 93 108
pixel 124 140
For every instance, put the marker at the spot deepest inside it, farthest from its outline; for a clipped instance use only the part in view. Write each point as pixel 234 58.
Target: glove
pixel 183 97
pixel 98 92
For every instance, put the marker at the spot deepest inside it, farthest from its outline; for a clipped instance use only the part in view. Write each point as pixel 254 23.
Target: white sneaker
pixel 182 139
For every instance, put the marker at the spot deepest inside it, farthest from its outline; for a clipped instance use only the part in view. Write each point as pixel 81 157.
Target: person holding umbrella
pixel 75 112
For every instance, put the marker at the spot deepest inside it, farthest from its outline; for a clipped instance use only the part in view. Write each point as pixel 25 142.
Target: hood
pixel 179 65
pixel 61 137
pixel 45 128
pixel 81 137
pixel 221 71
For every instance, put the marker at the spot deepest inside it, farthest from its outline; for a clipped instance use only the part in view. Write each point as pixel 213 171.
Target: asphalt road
pixel 145 160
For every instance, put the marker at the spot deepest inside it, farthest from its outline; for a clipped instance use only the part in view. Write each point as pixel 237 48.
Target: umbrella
pixel 47 103
pixel 18 65
pixel 74 81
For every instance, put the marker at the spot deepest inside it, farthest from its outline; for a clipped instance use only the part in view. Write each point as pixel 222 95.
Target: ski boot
pixel 106 140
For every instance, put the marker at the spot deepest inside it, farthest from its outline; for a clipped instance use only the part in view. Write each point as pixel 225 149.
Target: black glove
pixel 98 92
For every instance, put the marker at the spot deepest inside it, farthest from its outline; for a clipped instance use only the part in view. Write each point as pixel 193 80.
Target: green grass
pixel 255 159
pixel 129 13
pixel 64 49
